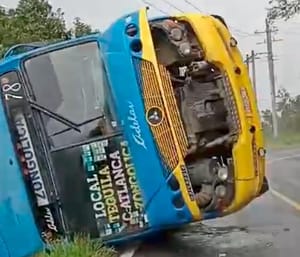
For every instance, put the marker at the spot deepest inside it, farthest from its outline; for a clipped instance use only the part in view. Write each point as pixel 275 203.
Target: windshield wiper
pixel 54 115
pixel 78 125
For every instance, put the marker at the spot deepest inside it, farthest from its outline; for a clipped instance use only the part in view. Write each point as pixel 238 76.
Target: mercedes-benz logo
pixel 155 116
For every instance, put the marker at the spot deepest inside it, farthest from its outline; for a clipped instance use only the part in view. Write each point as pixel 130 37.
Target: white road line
pixel 286 199
pixel 283 158
pixel 279 195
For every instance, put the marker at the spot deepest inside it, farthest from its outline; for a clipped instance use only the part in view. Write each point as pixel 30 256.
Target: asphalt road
pixel 268 227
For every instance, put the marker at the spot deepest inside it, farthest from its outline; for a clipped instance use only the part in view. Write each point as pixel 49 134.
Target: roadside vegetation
pixel 80 247
pixel 37 21
pixel 288 107
pixel 283 141
pixel 288 113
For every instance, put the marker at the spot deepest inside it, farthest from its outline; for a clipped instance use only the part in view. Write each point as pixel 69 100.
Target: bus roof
pixel 30 48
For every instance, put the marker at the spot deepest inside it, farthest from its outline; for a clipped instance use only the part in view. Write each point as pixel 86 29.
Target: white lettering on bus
pixel 120 180
pixel 135 126
pixel 135 190
pixel 32 164
pixel 96 197
pixel 109 195
pixel 50 219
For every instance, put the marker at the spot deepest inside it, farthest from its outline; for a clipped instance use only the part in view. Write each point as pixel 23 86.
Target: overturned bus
pixel 147 127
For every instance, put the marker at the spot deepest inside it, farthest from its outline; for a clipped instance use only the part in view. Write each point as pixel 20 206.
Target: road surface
pixel 268 227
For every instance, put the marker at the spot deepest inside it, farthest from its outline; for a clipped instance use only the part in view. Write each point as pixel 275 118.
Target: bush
pixel 79 247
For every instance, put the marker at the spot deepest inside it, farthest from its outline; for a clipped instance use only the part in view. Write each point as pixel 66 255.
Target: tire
pixel 220 18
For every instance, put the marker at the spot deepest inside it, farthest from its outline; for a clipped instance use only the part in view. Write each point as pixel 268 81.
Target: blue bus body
pixel 19 235
pixel 93 141
pixel 156 191
pixel 198 118
pixel 20 231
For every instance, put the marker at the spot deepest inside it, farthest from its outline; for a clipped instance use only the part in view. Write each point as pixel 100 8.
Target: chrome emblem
pixel 155 116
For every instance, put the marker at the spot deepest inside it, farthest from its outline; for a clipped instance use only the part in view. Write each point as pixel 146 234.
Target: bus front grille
pixel 173 109
pixel 152 97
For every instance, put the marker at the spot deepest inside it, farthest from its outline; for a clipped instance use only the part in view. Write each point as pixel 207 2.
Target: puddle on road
pixel 223 237
pixel 205 230
pixel 209 241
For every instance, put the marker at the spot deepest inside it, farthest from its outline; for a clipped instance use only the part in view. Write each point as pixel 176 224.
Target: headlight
pixel 185 49
pixel 223 173
pixel 176 34
pixel 221 191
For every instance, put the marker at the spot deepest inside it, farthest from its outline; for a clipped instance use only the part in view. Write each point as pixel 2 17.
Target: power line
pixel 246 34
pixel 238 31
pixel 154 7
pixel 193 5
pixel 172 5
pixel 291 33
pixel 242 33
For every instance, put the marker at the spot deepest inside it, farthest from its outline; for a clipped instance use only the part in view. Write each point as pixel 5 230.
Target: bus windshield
pixel 72 83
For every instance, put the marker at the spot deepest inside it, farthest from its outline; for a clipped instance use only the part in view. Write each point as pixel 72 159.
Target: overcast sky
pixel 244 17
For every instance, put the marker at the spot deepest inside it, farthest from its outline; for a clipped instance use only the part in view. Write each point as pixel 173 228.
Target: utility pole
pixel 272 77
pixel 251 59
pixel 253 71
pixel 269 41
pixel 247 61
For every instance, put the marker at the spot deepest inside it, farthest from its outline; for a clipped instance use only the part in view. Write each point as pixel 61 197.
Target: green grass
pixel 80 247
pixel 284 140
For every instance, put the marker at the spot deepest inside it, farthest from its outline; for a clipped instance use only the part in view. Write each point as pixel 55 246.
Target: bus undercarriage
pixel 203 97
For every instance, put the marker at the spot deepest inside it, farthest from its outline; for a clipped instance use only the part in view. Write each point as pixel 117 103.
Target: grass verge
pixel 80 247
pixel 286 140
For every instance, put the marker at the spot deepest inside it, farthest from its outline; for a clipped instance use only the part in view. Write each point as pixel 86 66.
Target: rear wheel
pixel 220 18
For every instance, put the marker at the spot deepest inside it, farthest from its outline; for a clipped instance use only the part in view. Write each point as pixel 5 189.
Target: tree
pixel 267 117
pixel 283 9
pixel 284 101
pixel 81 29
pixel 6 29
pixel 36 21
pixel 31 21
pixel 288 114
pixel 288 111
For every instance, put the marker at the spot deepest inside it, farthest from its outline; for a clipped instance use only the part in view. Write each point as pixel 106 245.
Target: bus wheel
pixel 220 18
